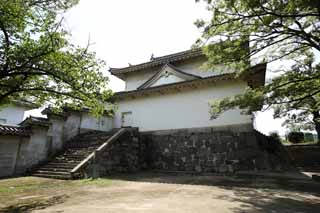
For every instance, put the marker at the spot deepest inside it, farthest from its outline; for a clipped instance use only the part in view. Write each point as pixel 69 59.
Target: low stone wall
pixel 224 149
pixel 121 155
pixel 304 155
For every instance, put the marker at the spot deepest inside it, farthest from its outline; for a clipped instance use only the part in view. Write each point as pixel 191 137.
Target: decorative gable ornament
pixel 168 74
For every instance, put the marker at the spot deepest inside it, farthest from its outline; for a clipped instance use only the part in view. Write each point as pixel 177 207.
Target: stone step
pixel 80 149
pixel 65 161
pixel 54 169
pixel 79 153
pixel 54 176
pixel 75 151
pixel 90 138
pixel 40 171
pixel 81 146
pixel 71 156
pixel 61 165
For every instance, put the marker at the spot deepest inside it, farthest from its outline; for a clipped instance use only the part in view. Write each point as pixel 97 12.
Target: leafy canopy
pixel 276 30
pixel 38 61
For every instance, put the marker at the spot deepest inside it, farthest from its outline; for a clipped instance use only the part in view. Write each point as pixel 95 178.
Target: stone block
pixel 223 168
pixel 198 168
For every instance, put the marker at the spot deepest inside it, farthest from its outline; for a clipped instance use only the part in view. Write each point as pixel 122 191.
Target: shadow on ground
pixel 252 194
pixel 222 181
pixel 254 201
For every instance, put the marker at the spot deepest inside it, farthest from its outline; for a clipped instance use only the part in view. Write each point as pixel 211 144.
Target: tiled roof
pixel 65 110
pixel 14 130
pixel 31 120
pixel 159 61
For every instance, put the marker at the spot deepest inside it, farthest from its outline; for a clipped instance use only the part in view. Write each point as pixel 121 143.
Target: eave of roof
pixel 158 61
pixel 14 130
pixel 49 112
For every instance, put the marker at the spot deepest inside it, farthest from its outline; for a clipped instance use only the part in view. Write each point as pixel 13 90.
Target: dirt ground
pixel 180 193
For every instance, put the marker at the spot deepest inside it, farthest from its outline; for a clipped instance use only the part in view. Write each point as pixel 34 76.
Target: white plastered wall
pixel 185 109
pixel 136 79
pixel 103 123
pixel 167 80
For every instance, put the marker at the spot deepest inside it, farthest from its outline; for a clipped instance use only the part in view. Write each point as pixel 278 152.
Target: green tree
pixel 38 61
pixel 276 30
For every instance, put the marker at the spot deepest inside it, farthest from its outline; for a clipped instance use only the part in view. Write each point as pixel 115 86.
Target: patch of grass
pixel 97 181
pixel 18 194
pixel 19 185
pixel 39 203
pixel 24 185
pixel 286 142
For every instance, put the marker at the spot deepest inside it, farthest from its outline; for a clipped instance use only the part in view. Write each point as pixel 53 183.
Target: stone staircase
pixel 75 151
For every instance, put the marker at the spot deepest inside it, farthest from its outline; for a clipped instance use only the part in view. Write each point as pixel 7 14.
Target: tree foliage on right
pixel 277 30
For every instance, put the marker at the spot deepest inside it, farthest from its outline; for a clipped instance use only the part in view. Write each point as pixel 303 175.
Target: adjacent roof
pixel 65 110
pixel 173 70
pixel 38 121
pixel 159 61
pixel 49 112
pixel 14 130
pixel 255 79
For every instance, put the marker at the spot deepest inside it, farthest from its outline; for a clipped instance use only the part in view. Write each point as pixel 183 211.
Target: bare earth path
pixel 154 193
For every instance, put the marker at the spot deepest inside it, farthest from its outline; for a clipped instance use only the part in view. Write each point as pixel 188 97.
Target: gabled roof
pixel 158 61
pixel 168 68
pixel 14 130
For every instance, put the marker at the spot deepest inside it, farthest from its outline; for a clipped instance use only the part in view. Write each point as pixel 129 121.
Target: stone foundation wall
pixel 304 155
pixel 121 155
pixel 226 149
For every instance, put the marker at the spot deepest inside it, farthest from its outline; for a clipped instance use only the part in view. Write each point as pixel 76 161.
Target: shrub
pixel 296 137
pixel 275 136
pixel 308 137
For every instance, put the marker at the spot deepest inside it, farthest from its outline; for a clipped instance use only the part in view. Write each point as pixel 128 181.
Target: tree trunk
pixel 316 120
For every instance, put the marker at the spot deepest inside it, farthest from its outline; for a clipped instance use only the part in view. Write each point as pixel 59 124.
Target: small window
pixel 3 121
pixel 127 119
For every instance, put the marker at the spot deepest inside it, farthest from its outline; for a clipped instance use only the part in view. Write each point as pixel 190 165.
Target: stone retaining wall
pixel 121 155
pixel 213 150
pixel 304 155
